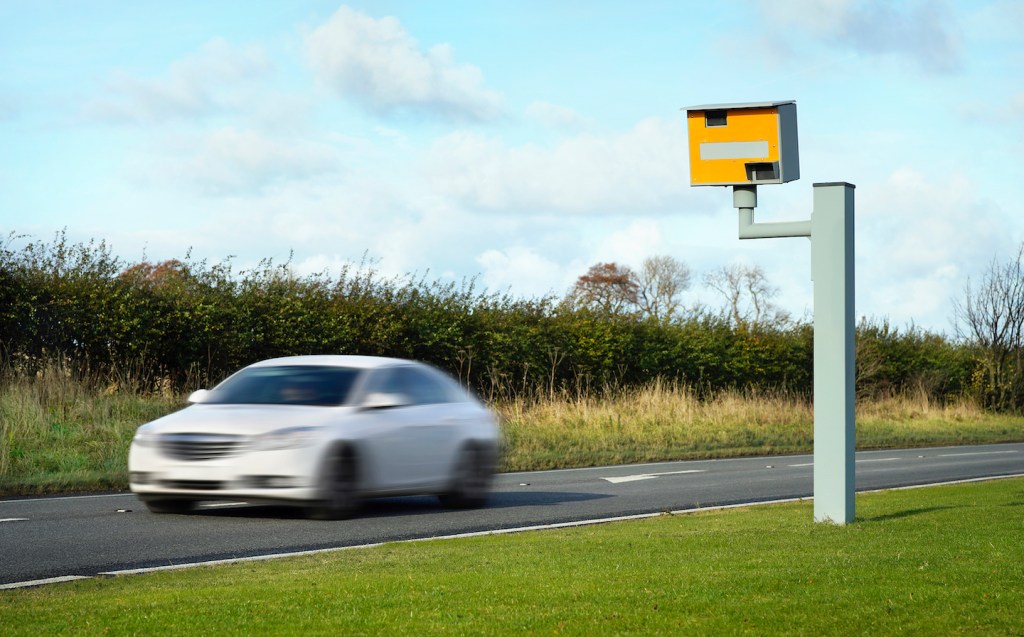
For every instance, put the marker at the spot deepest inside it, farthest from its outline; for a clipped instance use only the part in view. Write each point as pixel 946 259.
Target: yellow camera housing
pixel 743 144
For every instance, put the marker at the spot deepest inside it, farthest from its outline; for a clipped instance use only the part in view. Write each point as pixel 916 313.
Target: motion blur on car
pixel 321 432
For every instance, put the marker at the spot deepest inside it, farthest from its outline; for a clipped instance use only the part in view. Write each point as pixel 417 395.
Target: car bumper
pixel 280 475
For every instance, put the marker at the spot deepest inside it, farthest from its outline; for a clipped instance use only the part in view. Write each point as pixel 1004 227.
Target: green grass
pixel 57 435
pixel 935 561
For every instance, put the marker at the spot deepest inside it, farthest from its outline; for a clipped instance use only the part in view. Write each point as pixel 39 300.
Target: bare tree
pixel 660 284
pixel 991 317
pixel 748 295
pixel 607 288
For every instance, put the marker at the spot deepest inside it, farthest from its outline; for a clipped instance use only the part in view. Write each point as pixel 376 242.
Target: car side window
pixel 418 385
pixel 423 388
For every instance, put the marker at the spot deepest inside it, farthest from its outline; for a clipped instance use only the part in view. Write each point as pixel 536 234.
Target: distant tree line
pixel 188 323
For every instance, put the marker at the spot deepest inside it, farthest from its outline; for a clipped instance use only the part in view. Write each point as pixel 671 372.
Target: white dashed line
pixel 974 453
pixel 13 519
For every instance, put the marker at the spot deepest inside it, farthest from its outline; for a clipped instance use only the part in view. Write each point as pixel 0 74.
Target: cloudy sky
pixel 516 141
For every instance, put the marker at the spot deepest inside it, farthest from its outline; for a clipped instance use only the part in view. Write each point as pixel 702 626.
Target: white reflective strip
pixel 734 150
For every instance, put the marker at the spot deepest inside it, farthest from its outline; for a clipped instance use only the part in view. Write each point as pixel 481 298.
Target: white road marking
pixel 67 497
pixel 220 505
pixel 629 479
pixel 13 519
pixel 649 476
pixel 811 464
pixel 975 453
pixel 43 582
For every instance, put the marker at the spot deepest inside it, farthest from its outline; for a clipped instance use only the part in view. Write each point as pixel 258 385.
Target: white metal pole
pixel 834 391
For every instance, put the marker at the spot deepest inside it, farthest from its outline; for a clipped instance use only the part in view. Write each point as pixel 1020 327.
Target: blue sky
pixel 517 142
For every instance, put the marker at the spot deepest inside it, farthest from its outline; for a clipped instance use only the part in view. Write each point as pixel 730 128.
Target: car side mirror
pixel 383 400
pixel 199 396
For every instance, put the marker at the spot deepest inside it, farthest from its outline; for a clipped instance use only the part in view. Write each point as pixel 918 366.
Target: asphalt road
pixel 84 536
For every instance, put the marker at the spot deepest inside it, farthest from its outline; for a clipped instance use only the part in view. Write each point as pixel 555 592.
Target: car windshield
pixel 286 385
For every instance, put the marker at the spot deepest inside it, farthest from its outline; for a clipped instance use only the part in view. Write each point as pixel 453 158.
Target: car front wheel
pixel 339 495
pixel 471 482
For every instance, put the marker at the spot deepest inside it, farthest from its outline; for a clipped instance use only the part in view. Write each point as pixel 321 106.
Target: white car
pixel 322 432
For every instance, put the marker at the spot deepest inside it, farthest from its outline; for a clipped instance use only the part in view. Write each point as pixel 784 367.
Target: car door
pixel 409 444
pixel 434 436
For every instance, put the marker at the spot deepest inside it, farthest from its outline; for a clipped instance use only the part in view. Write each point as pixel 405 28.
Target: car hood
pixel 245 420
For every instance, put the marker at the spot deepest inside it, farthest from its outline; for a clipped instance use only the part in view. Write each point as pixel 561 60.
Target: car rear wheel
pixel 169 506
pixel 471 482
pixel 339 497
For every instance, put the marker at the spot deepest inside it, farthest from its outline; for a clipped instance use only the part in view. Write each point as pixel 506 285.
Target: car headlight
pixel 288 438
pixel 145 438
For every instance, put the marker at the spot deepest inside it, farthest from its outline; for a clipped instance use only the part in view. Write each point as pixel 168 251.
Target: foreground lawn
pixel 935 561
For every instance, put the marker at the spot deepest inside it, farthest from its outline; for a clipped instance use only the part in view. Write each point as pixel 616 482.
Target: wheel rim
pixel 472 474
pixel 340 494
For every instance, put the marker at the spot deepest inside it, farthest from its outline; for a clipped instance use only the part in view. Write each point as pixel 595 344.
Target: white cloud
pixel 919 239
pixel 630 246
pixel 377 63
pixel 523 270
pixel 922 31
pixel 230 161
pixel 999 113
pixel 642 170
pixel 208 81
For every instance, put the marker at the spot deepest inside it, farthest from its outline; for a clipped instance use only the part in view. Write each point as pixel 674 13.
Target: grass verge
pixel 57 435
pixel 935 561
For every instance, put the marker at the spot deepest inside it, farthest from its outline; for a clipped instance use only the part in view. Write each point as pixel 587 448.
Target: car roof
pixel 331 360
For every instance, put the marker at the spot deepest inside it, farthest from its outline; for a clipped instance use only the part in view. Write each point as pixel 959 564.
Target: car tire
pixel 339 488
pixel 170 506
pixel 471 482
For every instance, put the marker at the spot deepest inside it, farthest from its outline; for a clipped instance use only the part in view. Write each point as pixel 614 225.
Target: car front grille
pixel 200 446
pixel 193 485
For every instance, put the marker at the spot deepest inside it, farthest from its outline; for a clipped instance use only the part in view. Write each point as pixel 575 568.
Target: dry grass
pixel 661 421
pixel 58 434
pixel 665 421
pixel 916 419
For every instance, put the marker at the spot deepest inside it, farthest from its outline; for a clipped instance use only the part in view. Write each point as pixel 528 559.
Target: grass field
pixel 934 561
pixel 56 435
